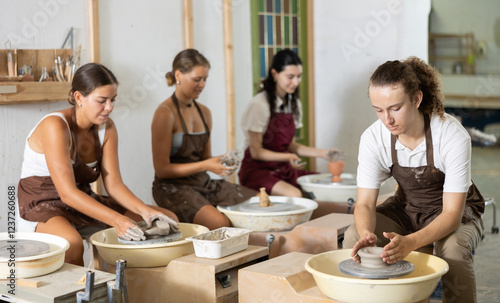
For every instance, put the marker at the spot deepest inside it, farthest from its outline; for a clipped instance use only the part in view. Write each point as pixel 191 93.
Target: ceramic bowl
pixel 271 221
pixel 414 287
pixel 38 265
pixel 326 191
pixel 147 255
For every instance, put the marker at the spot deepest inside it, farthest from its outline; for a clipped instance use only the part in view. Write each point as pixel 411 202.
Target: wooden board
pixel 30 92
pixel 61 286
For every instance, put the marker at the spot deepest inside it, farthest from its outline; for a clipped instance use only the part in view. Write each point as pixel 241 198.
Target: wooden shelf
pixel 32 92
pixel 446 49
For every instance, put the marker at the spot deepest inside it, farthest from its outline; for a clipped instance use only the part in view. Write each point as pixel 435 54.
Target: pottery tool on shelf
pixel 264 198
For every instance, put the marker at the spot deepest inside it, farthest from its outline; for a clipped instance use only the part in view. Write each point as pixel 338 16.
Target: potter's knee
pixel 350 237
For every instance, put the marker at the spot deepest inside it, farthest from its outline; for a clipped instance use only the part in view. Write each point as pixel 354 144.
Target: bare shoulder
pixel 166 109
pixel 206 111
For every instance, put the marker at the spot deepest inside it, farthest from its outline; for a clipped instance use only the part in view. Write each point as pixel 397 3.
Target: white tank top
pixel 34 164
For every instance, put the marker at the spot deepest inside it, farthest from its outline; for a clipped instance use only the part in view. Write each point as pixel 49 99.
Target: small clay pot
pixel 336 168
pixel 371 257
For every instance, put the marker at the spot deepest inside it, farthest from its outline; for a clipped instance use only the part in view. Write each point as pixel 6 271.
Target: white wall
pixel 32 24
pixel 350 40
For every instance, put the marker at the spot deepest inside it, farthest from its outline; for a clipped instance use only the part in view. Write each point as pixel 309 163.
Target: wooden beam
pixel 188 24
pixel 94 44
pixel 310 77
pixel 95 56
pixel 229 62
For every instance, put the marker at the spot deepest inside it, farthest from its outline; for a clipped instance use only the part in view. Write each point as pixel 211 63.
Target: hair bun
pixel 170 78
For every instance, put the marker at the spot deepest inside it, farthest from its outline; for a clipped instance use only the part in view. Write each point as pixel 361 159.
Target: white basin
pixel 414 287
pixel 242 215
pixel 325 191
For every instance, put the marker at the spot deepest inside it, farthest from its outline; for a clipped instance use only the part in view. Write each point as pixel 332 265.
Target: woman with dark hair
pixel 428 152
pixel 181 130
pixel 65 152
pixel 272 158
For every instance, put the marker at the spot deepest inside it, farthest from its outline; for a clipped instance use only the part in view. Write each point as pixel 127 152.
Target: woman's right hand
pixel 295 161
pixel 216 166
pixel 129 230
pixel 366 241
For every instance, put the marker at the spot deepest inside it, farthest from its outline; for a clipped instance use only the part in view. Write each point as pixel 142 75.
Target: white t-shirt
pixel 452 154
pixel 257 114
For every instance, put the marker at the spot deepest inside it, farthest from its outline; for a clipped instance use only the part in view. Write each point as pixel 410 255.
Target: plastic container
pixel 220 242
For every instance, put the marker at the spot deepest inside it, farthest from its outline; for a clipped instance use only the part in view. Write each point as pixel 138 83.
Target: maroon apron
pixel 185 196
pixel 38 197
pixel 419 197
pixel 278 136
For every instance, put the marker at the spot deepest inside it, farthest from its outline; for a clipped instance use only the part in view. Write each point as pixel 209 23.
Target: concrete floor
pixel 486 176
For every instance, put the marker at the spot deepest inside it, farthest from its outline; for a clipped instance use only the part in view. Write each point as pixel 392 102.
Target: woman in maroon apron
pixel 66 152
pixel 428 153
pixel 182 150
pixel 272 159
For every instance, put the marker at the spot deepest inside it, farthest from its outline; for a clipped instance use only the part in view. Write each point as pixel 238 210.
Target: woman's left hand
pixel 151 215
pixel 399 247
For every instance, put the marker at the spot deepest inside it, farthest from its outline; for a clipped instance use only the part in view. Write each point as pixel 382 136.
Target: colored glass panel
pixel 287 30
pixel 277 6
pixel 286 5
pixel 294 6
pixel 261 5
pixel 270 55
pixel 269 25
pixel 295 30
pixel 269 6
pixel 261 30
pixel 262 55
pixel 277 24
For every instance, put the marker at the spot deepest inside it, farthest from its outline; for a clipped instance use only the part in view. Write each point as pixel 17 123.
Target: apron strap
pixel 184 128
pixel 176 103
pixel 428 141
pixel 428 144
pixel 97 142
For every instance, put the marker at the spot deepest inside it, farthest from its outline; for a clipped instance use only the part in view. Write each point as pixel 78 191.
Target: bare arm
pixel 365 218
pixel 306 151
pixel 258 152
pixel 55 141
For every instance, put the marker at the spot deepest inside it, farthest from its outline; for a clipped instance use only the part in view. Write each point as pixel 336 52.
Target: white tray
pixel 220 242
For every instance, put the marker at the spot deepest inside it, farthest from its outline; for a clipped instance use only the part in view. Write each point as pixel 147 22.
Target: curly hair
pixel 415 75
pixel 280 60
pixel 89 77
pixel 185 61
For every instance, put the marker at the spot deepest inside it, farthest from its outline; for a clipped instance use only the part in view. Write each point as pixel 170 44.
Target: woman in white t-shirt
pixel 272 157
pixel 65 152
pixel 428 153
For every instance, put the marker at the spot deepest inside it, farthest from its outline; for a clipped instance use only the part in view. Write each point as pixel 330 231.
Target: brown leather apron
pixel 38 197
pixel 419 197
pixel 185 196
pixel 278 136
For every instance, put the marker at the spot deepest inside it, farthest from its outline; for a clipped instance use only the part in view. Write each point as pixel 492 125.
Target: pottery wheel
pixel 274 207
pixel 153 240
pixel 328 181
pixel 23 248
pixel 353 268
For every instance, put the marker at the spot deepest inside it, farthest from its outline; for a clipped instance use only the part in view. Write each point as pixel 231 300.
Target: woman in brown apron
pixel 272 159
pixel 428 153
pixel 66 152
pixel 182 150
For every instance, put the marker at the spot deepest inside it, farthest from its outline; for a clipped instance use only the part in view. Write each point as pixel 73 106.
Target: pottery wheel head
pixel 353 268
pixel 23 248
pixel 274 207
pixel 154 240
